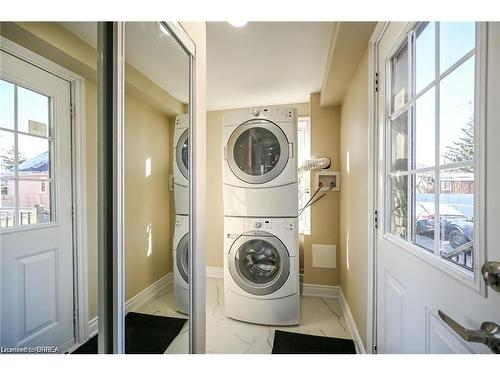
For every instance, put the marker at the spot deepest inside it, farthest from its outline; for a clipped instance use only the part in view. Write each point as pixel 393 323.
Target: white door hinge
pixel 375 82
pixel 72 111
pixel 375 219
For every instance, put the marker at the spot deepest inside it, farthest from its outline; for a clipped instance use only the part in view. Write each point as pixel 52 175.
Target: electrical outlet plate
pixel 328 178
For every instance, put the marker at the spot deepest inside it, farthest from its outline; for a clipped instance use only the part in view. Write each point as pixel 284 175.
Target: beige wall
pixel 325 142
pixel 148 244
pixel 147 200
pixel 354 196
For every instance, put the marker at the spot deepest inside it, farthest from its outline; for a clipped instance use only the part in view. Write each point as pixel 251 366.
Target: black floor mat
pixel 144 334
pixel 299 343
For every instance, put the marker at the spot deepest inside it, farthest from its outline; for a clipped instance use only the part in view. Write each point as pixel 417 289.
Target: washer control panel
pixel 270 224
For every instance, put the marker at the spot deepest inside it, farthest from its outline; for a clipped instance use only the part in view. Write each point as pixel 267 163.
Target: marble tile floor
pixel 319 316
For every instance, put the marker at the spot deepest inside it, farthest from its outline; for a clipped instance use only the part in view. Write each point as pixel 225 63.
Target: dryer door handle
pixel 290 150
pixel 225 152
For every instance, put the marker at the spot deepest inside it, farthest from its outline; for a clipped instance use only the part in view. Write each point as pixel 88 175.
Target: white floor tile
pixel 318 316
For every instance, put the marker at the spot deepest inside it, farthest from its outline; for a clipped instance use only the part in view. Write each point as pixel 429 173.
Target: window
pixel 430 150
pixel 25 149
pixel 304 153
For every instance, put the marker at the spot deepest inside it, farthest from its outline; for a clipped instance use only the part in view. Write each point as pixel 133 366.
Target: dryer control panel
pixel 271 224
pixel 272 113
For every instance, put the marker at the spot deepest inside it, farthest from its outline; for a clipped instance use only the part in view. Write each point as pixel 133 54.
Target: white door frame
pixel 375 145
pixel 372 183
pixel 78 174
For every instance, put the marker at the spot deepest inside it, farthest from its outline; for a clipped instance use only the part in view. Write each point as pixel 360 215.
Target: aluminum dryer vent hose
pixel 312 164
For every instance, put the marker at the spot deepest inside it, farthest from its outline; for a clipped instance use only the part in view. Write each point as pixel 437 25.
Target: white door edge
pixel 78 172
pixel 378 32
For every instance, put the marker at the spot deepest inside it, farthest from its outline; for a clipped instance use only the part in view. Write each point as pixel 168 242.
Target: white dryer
pixel 261 270
pixel 260 162
pixel 181 263
pixel 181 174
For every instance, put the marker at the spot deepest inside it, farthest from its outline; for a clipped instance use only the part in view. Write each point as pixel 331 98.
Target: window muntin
pixel 25 157
pixel 430 151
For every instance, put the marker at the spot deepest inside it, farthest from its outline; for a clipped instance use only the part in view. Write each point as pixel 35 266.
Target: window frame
pixel 470 278
pixel 50 137
pixel 304 126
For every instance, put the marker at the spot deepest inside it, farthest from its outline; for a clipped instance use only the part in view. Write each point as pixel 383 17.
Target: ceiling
pixel 347 48
pixel 265 63
pixel 149 50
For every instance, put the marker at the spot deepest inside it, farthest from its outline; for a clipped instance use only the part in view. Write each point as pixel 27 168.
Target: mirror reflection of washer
pixel 261 270
pixel 180 162
pixel 260 162
pixel 181 265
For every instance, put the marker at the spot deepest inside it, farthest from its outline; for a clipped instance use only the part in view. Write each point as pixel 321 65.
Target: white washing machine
pixel 181 174
pixel 181 264
pixel 260 162
pixel 261 270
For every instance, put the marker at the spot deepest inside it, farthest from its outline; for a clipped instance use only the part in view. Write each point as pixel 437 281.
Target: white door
pixel 35 208
pixel 437 196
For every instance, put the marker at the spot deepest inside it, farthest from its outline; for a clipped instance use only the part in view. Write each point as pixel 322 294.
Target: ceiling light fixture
pixel 238 23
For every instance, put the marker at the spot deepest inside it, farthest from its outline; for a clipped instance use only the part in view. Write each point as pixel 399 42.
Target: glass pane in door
pixel 6 104
pixel 424 210
pixel 457 98
pixel 456 210
pixel 399 206
pixel 32 112
pixel 425 55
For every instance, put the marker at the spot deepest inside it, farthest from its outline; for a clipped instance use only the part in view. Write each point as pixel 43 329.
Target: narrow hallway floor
pixel 319 316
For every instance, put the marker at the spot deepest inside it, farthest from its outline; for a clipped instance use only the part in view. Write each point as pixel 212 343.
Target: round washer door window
pixel 257 151
pixel 182 152
pixel 260 265
pixel 182 257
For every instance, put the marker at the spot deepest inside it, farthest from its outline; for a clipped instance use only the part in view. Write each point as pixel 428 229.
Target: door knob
pixel 491 274
pixel 489 334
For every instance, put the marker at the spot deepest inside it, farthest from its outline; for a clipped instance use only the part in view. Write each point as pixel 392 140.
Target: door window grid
pixel 406 172
pixel 35 206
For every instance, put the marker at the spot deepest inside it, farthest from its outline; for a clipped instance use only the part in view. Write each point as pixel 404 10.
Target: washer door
pixel 257 151
pixel 259 264
pixel 181 153
pixel 182 258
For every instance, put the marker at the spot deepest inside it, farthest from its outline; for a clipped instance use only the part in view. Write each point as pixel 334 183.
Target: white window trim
pixel 472 279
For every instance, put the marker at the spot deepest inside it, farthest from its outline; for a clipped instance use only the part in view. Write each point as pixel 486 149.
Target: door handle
pixel 491 274
pixel 489 334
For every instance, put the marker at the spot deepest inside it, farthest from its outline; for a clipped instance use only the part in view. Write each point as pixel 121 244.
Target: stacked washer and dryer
pixel 181 199
pixel 261 240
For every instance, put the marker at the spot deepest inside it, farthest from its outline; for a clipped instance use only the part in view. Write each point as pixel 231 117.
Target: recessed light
pixel 238 23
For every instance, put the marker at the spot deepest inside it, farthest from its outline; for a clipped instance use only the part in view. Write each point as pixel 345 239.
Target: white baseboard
pixel 140 299
pixel 329 291
pixel 322 291
pixel 360 348
pixel 215 272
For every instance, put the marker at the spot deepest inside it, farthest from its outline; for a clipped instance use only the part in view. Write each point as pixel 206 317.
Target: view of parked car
pixel 455 226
